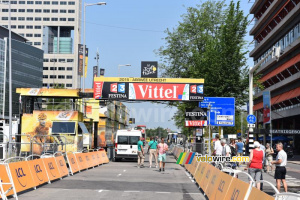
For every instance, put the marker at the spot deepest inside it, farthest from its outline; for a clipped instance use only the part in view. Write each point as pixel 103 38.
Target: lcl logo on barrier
pixel 38 170
pixel 87 158
pixel 51 167
pixel 93 157
pixel 202 170
pixel 207 174
pixel 213 179
pixel 61 163
pixel 20 174
pixel 235 194
pixel 221 186
pixel 80 159
pixel 72 161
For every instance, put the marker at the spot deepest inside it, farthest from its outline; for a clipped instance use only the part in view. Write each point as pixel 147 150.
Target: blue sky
pixel 128 32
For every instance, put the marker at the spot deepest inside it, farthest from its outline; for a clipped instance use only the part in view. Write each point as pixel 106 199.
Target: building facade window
pixel 13 26
pixel 46 11
pixel 53 60
pixel 21 18
pixel 71 11
pixel 13 18
pixel 69 77
pixel 52 76
pixel 38 2
pixel 62 19
pixel 61 77
pixel 29 18
pixel 45 68
pixel 37 35
pixel 54 2
pixel 46 2
pixel 38 19
pixel 38 27
pixel 29 27
pixel 45 76
pixel 63 3
pixel 53 68
pixel 37 43
pixel 71 19
pixel 54 19
pixel 5 18
pixel 61 60
pixel 21 26
pixel 29 2
pixel 69 68
pixel 61 11
pixel 4 10
pixel 38 10
pixel 46 19
pixel 46 60
pixel 68 85
pixel 61 69
pixel 28 34
pixel 13 10
pixel 54 11
pixel 30 10
pixel 70 60
pixel 21 2
pixel 71 2
pixel 21 10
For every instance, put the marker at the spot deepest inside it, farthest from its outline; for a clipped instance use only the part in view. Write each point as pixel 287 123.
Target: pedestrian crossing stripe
pixel 188 160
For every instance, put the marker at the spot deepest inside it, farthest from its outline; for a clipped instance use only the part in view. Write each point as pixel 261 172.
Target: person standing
pixel 225 148
pixel 239 147
pixel 280 170
pixel 162 148
pixel 218 147
pixel 255 163
pixel 141 154
pixel 152 146
pixel 269 157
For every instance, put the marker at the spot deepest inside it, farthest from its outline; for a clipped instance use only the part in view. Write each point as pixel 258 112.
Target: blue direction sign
pixel 251 119
pixel 222 111
pixel 239 134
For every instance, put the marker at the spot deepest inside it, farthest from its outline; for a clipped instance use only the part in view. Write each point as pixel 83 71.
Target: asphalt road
pixel 121 180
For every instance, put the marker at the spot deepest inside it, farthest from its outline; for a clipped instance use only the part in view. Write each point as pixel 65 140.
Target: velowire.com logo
pixel 187 158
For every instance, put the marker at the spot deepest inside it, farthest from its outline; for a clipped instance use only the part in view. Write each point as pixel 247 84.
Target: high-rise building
pixel 277 23
pixel 27 70
pixel 54 27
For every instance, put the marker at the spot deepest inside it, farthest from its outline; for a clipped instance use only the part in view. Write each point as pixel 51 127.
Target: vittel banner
pixel 149 89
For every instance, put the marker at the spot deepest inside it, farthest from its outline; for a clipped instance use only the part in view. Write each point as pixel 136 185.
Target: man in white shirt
pixel 218 146
pixel 280 170
pixel 225 148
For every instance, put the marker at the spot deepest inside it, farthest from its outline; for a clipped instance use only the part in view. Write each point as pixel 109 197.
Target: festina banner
pixel 196 113
pixel 152 89
pixel 195 123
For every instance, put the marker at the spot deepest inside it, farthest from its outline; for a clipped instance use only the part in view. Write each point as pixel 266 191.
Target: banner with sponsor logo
pixel 151 89
pixel 149 69
pixel 267 107
pixel 195 117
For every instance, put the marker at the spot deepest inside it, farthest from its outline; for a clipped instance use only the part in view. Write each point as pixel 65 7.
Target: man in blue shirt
pixel 152 147
pixel 141 155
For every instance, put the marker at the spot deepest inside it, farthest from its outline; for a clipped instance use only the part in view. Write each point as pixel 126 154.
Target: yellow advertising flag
pixel 86 66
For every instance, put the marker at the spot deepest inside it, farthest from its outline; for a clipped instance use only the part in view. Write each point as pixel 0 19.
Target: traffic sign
pixel 251 119
pixel 222 111
pixel 251 125
pixel 239 134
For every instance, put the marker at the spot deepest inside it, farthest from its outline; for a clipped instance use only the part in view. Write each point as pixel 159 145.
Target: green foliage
pixel 208 43
pixel 157 132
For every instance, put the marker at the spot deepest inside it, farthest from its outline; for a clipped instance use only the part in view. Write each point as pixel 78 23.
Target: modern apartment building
pixel 27 70
pixel 54 27
pixel 277 23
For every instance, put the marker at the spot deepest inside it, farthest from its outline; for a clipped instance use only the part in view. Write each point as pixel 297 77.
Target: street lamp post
pixel 84 7
pixel 122 66
pixel 275 53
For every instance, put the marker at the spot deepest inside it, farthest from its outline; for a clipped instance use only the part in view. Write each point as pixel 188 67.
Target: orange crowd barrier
pixel 88 160
pixel 99 157
pixel 81 161
pixel 212 183
pixel 200 173
pixel 95 158
pixel 38 171
pixel 238 190
pixel 104 156
pixel 222 186
pixel 5 179
pixel 62 166
pixel 73 164
pixel 51 168
pixel 206 177
pixel 21 176
pixel 257 194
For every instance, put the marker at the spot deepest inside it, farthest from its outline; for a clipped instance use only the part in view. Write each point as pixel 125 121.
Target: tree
pixel 208 43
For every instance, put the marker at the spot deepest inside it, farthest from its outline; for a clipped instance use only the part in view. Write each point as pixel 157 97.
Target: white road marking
pixel 163 192
pixel 191 193
pixel 119 174
pixel 124 170
pixel 103 190
pixel 131 191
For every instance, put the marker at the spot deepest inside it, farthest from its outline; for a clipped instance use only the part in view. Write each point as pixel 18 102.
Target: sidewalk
pixel 293 183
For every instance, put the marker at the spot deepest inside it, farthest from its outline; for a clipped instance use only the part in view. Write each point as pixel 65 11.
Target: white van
pixel 126 144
